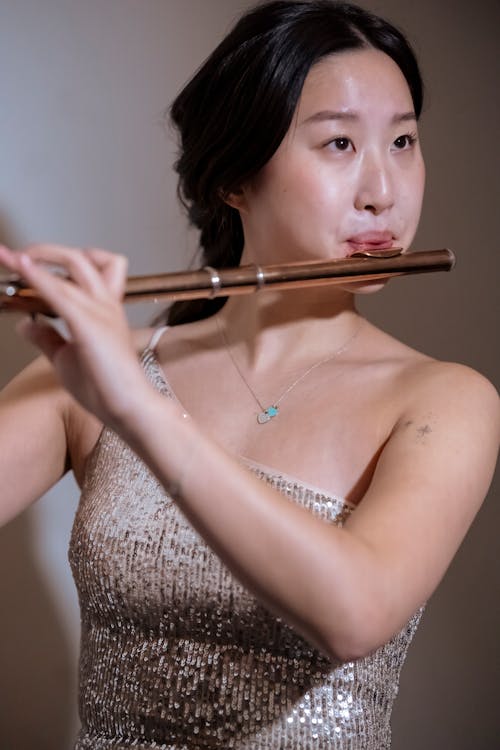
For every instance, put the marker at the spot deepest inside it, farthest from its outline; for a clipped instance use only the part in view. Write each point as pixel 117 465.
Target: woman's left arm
pixel 429 483
pixel 346 590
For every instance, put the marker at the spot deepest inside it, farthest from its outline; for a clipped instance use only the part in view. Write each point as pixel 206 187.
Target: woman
pixel 258 536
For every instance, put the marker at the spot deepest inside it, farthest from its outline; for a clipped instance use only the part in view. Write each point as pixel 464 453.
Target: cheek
pixel 302 176
pixel 421 187
pixel 410 199
pixel 415 190
pixel 321 203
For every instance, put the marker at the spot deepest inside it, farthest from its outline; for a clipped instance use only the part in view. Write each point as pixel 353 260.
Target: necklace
pixel 266 414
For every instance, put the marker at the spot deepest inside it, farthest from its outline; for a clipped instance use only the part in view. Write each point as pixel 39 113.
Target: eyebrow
pixel 348 115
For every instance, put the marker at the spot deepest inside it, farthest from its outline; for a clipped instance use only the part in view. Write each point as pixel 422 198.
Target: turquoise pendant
pixel 267 415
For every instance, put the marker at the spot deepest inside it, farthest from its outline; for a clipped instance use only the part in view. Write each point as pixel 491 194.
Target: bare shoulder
pixel 450 386
pixel 429 400
pixel 141 338
pixel 182 341
pixel 451 418
pixel 37 378
pixel 180 335
pixel 416 379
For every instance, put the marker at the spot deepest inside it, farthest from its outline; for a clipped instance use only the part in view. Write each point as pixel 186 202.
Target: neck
pixel 287 329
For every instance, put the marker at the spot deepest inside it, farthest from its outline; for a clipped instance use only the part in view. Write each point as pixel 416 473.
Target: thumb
pixel 42 335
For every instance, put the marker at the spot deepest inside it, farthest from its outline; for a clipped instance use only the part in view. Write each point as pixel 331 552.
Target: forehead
pixel 363 80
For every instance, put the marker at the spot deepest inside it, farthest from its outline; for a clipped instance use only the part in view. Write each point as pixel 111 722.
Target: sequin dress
pixel 177 655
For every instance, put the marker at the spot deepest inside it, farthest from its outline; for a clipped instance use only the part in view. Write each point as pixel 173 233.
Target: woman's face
pixel 349 174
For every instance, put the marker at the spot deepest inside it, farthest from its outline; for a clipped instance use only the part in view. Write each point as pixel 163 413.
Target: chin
pixel 365 287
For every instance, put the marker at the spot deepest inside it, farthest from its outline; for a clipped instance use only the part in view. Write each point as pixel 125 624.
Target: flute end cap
pixel 453 258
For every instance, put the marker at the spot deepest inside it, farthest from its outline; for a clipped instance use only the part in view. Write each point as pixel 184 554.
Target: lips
pixel 379 240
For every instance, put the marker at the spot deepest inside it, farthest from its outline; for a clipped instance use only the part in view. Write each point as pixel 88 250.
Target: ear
pixel 236 198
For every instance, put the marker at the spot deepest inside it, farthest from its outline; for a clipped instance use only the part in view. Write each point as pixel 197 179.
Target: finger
pixel 41 335
pixel 63 297
pixel 75 263
pixel 113 268
pixel 7 257
pixel 27 261
pixel 95 270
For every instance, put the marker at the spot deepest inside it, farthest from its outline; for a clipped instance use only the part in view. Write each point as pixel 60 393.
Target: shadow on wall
pixel 36 666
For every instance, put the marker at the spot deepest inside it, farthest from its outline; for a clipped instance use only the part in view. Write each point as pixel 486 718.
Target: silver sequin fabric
pixel 177 655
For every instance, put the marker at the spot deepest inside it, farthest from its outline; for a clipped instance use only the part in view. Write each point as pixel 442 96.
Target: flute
pixel 208 282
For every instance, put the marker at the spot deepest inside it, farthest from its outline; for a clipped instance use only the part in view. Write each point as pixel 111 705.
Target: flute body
pixel 210 282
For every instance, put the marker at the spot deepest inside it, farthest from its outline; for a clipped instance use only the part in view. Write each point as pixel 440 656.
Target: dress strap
pixel 157 334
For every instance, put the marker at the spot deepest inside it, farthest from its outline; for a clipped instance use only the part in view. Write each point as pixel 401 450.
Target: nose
pixel 375 189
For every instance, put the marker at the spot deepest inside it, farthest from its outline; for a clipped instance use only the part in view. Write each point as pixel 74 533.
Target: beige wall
pixel 84 160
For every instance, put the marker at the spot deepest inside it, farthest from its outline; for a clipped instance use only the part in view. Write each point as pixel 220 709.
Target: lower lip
pixel 360 246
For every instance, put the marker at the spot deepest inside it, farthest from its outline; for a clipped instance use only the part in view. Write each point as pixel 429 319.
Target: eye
pixel 405 141
pixel 340 144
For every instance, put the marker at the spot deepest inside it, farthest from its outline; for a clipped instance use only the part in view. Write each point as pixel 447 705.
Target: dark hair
pixel 236 110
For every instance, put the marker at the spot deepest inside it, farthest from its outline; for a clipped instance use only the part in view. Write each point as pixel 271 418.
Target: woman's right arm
pixel 34 411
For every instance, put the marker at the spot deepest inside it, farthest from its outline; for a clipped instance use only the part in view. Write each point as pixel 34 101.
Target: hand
pixel 97 363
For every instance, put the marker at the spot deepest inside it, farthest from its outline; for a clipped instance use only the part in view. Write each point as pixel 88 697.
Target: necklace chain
pixel 266 414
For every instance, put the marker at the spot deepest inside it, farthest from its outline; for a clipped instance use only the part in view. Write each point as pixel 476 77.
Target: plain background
pixel 85 160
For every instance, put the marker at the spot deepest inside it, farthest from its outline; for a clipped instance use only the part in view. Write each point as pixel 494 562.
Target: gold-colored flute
pixel 208 282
